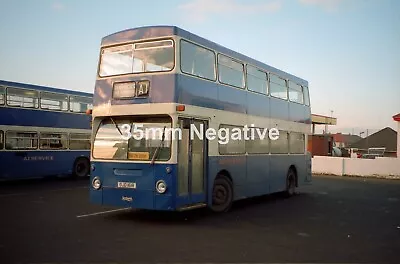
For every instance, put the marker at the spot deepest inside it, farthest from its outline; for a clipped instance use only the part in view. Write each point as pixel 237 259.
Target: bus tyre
pixel 222 194
pixel 81 168
pixel 290 183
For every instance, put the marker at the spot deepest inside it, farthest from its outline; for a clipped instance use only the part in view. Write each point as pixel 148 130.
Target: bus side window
pixel 306 96
pixel 1 140
pixel 2 95
pixel 277 87
pixel 232 147
pixel 230 72
pixel 21 140
pixel 197 61
pixel 296 143
pixel 22 97
pixel 295 93
pixel 53 141
pixel 80 104
pixel 79 141
pixel 281 145
pixel 53 101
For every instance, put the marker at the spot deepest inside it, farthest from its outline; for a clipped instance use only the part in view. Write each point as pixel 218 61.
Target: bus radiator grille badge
pixel 127 199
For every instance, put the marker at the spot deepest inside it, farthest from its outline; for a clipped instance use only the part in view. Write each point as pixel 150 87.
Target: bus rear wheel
pixel 290 183
pixel 222 194
pixel 81 168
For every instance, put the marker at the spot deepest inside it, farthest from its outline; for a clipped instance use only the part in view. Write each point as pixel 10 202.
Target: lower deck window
pixel 297 143
pixel 16 140
pixel 79 141
pixel 1 140
pixel 233 145
pixel 281 145
pixel 53 141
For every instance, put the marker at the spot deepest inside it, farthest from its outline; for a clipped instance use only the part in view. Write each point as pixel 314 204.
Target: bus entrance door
pixel 192 160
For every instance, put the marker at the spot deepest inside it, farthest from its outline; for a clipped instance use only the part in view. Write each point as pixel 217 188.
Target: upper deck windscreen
pixel 150 56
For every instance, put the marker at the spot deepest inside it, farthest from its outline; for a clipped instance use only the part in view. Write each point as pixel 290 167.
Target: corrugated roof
pixel 385 138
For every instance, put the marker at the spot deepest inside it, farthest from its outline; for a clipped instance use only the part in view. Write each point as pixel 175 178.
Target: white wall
pixel 381 167
pixel 398 140
pixel 327 165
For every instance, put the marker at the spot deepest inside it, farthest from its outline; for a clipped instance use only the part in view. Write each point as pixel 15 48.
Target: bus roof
pixel 43 88
pixel 147 32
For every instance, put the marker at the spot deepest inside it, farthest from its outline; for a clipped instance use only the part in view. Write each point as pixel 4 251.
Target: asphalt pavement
pixel 336 220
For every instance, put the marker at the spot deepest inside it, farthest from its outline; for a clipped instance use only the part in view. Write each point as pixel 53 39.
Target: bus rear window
pixel 151 56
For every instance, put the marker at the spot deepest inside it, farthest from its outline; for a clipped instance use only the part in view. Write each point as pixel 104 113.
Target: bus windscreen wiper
pixel 158 148
pixel 116 126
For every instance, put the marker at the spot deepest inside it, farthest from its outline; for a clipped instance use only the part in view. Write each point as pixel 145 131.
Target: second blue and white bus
pixel 44 131
pixel 166 77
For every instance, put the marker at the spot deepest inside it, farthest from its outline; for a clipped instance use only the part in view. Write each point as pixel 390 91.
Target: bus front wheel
pixel 222 194
pixel 81 168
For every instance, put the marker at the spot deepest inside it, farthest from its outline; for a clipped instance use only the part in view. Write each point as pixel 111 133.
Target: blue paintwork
pixel 144 175
pixel 37 164
pixel 263 174
pixel 252 174
pixel 40 163
pixel 28 117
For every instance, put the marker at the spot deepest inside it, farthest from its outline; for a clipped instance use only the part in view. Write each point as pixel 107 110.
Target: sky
pixel 348 50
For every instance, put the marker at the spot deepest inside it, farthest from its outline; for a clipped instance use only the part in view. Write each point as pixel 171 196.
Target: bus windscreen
pixel 154 56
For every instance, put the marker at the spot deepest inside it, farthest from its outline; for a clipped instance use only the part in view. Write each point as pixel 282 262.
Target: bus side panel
pixel 279 168
pixel 37 118
pixel 258 175
pixel 197 92
pixel 297 113
pixel 38 164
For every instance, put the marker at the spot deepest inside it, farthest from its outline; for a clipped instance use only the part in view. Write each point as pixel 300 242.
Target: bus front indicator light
pixel 96 183
pixel 161 186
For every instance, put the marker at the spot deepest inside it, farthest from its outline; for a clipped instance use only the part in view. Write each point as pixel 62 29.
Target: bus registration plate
pixel 130 185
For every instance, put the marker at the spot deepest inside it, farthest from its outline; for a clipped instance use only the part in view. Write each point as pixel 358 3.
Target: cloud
pixel 58 6
pixel 326 4
pixel 199 10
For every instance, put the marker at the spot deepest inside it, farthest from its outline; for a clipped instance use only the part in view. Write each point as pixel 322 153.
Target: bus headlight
pixel 96 183
pixel 161 186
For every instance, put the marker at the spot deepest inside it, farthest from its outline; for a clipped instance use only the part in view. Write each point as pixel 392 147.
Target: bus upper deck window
pixel 80 104
pixel 22 97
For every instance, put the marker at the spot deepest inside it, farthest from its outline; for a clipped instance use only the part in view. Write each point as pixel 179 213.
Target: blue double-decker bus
pixel 164 78
pixel 44 131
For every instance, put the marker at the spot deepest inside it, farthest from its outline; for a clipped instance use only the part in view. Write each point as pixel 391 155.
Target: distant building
pixel 344 140
pixel 385 138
